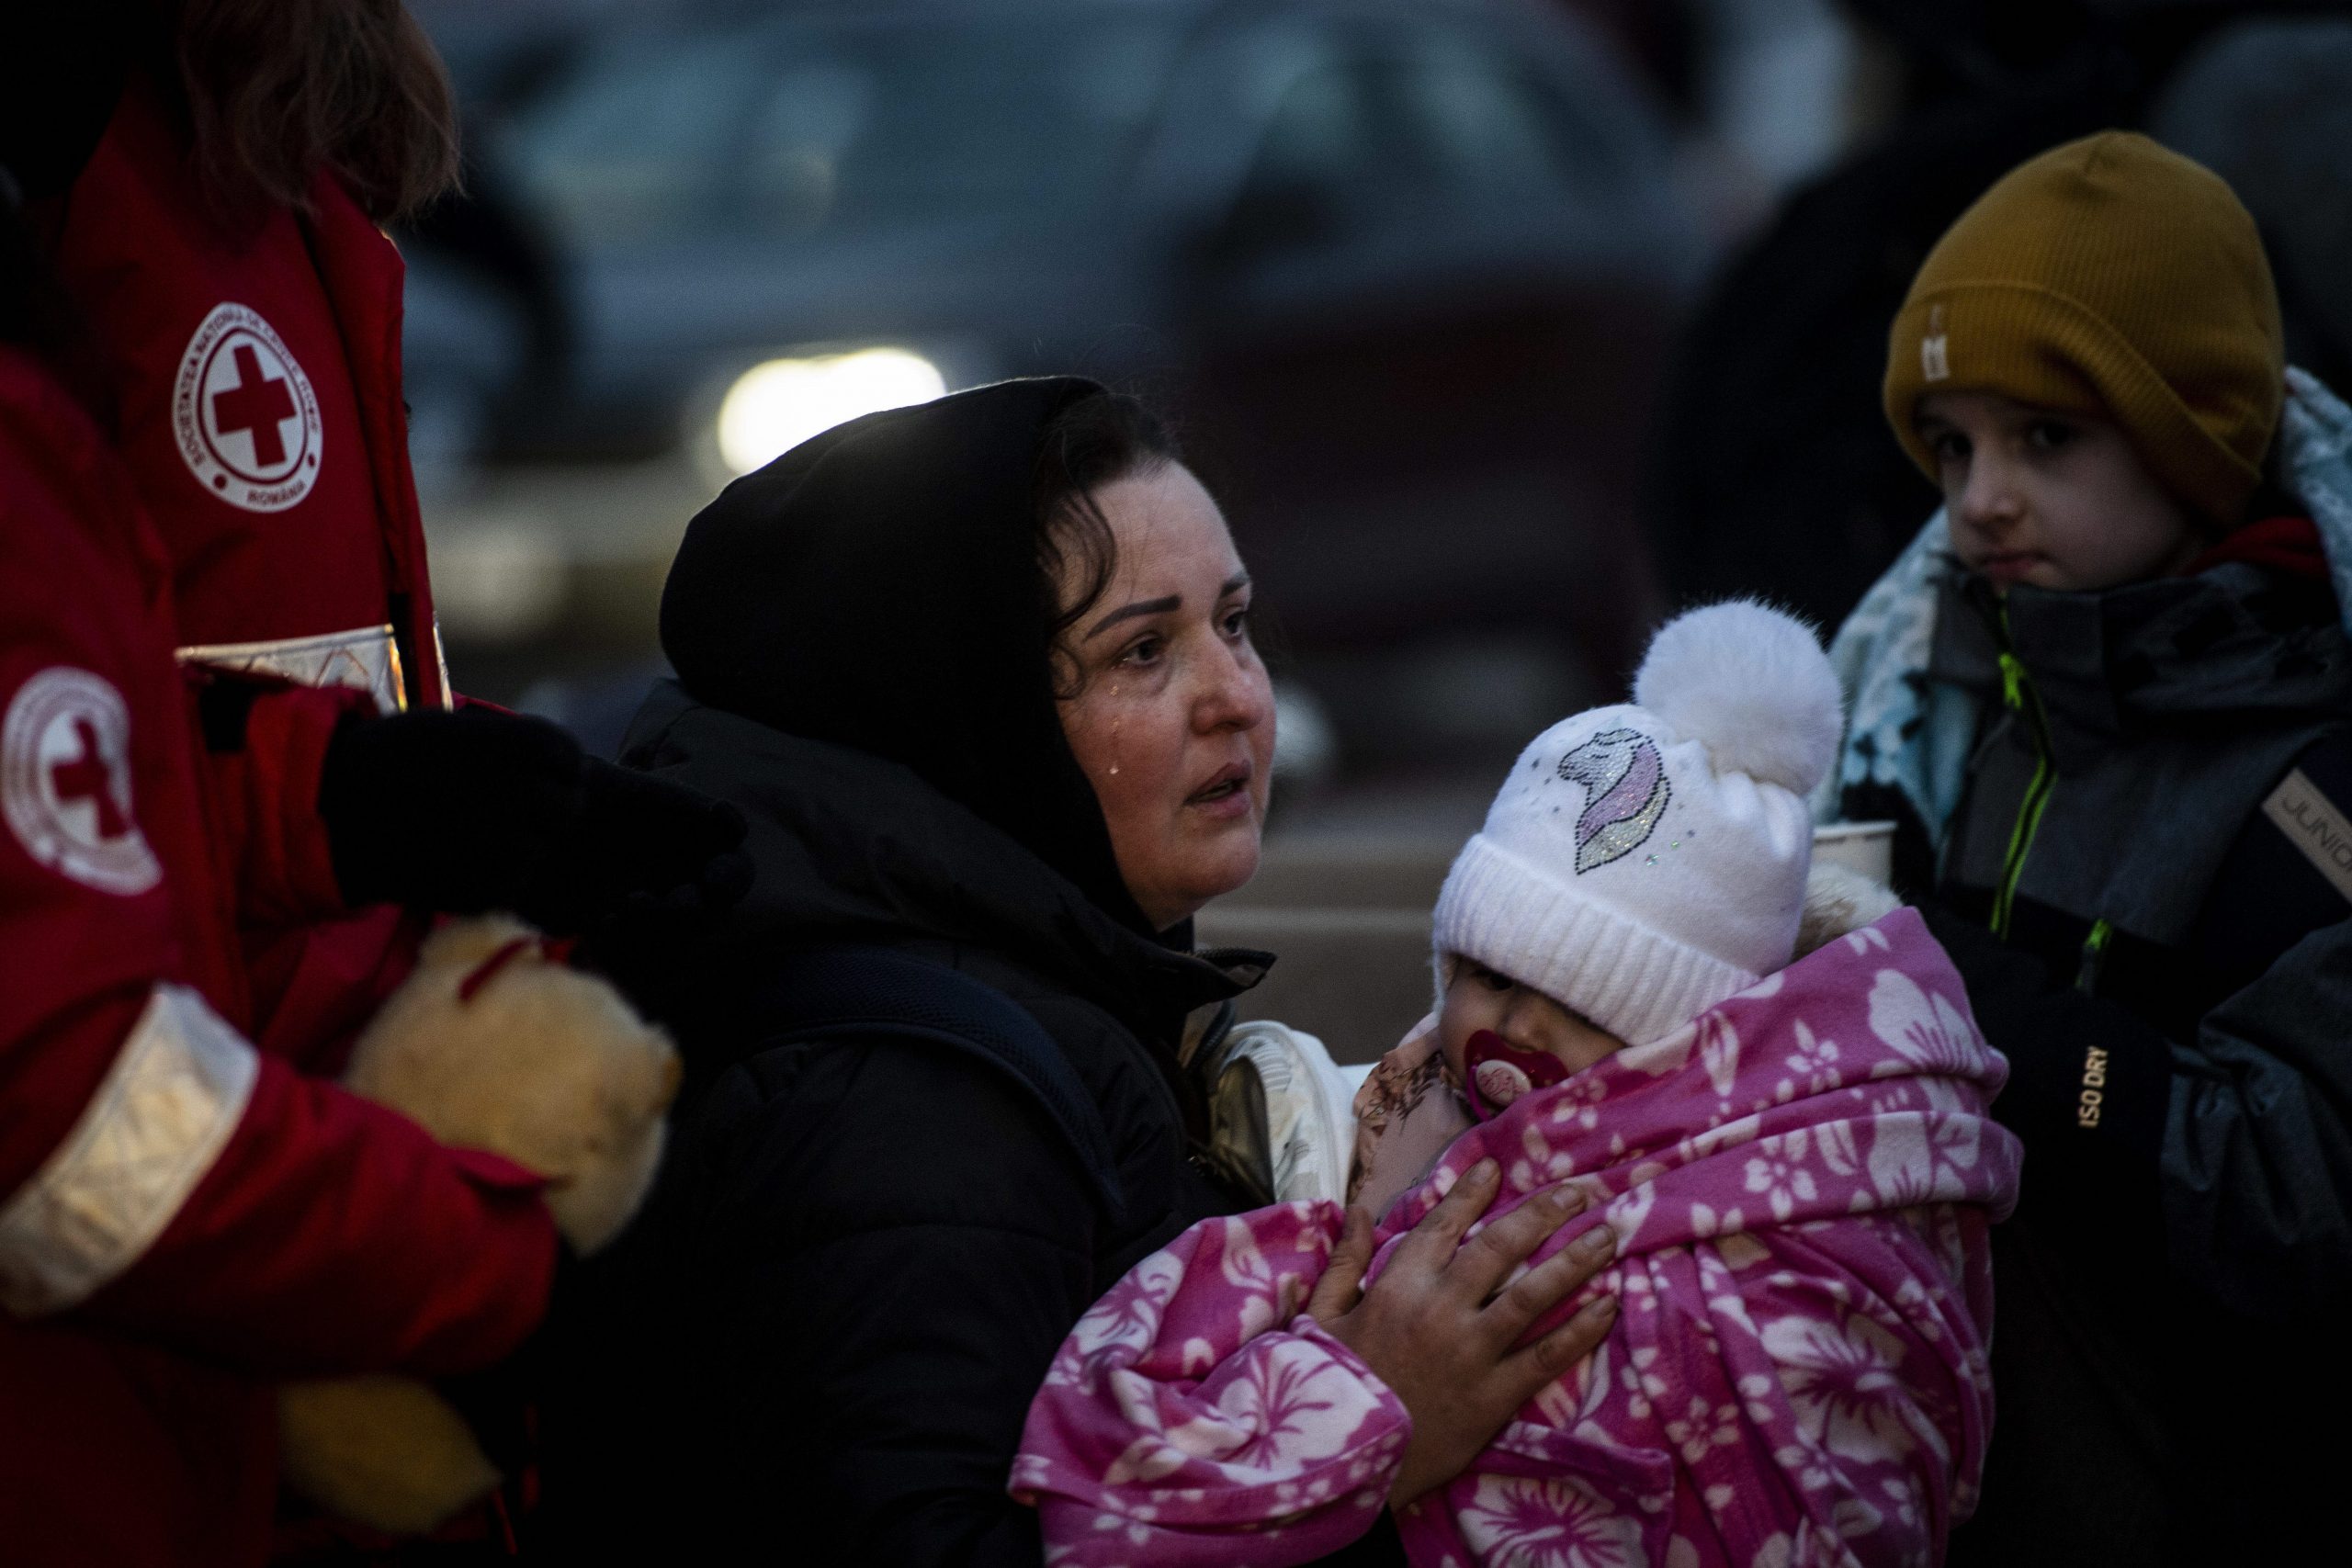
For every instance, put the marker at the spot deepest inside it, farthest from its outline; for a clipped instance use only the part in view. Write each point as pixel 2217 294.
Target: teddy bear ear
pixel 470 939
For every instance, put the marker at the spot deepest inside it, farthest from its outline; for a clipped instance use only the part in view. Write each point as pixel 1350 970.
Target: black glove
pixel 477 809
pixel 643 845
pixel 450 811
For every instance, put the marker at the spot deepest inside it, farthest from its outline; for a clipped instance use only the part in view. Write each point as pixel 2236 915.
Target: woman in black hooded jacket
pixel 978 675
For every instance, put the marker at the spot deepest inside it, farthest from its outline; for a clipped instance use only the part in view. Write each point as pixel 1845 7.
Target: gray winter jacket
pixel 2141 881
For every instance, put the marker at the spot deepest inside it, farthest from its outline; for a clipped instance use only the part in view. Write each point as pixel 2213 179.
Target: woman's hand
pixel 1434 1330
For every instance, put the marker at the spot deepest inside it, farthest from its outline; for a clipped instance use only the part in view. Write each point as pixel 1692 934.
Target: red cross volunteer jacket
pixel 254 372
pixel 182 1214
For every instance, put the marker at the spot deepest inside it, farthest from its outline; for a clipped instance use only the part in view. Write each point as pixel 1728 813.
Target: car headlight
pixel 773 406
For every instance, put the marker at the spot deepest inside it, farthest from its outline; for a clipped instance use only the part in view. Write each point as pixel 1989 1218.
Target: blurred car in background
pixel 1404 271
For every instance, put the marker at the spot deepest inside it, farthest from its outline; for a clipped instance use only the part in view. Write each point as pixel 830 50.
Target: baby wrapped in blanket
pixel 1795 1157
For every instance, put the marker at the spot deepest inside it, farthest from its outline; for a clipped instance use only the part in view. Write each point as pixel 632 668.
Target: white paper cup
pixel 1864 846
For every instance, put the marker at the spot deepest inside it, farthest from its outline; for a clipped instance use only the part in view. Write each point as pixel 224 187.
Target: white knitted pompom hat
pixel 1644 862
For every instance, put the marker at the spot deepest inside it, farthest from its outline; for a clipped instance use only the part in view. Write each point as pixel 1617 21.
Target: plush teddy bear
pixel 1838 901
pixel 492 1043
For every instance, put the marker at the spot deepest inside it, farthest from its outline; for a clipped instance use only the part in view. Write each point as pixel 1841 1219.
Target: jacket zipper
pixel 2019 696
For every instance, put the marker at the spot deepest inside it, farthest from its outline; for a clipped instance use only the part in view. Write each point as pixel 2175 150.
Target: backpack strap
pixel 844 992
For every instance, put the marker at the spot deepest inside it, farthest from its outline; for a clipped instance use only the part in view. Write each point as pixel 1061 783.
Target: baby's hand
pixel 1384 1088
pixel 1407 1112
pixel 1442 1330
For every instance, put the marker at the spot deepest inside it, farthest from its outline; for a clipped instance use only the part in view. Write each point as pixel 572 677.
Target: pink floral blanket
pixel 1801 1181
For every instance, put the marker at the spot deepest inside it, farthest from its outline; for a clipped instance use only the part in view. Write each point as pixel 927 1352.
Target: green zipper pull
pixel 2018 694
pixel 2094 957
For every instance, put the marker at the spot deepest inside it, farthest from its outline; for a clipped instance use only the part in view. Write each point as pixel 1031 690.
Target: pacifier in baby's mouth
pixel 1500 1072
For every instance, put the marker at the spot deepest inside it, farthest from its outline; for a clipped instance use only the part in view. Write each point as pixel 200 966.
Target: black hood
pixel 877 587
pixel 851 848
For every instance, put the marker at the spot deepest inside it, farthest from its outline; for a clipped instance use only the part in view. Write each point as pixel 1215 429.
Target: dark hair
pixel 278 89
pixel 1098 440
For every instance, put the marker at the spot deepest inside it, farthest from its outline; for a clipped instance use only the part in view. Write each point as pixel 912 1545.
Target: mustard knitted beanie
pixel 2107 277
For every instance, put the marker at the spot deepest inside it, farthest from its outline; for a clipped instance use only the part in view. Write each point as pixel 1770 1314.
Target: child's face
pixel 2055 499
pixel 1479 999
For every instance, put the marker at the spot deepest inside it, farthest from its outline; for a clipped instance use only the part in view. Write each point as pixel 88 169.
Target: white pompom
pixel 1753 686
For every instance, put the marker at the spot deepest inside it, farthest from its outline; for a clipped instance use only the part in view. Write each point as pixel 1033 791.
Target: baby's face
pixel 1479 999
pixel 2055 499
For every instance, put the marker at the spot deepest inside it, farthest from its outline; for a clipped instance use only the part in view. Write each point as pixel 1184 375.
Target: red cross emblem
pixel 87 777
pixel 254 406
pixel 65 781
pixel 244 414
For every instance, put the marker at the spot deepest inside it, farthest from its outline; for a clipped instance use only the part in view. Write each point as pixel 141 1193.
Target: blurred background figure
pixel 1467 309
pixel 1766 482
pixel 1407 275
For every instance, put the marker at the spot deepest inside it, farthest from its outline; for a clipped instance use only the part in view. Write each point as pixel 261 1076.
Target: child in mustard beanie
pixel 2117 282
pixel 2109 696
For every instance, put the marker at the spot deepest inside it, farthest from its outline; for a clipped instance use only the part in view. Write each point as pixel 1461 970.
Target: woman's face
pixel 1173 721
